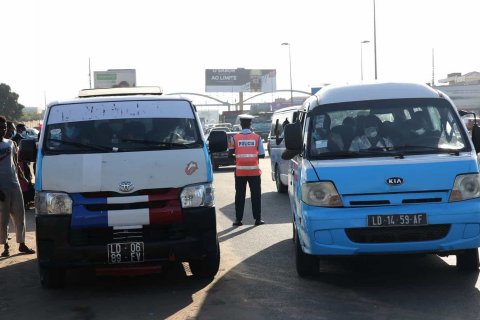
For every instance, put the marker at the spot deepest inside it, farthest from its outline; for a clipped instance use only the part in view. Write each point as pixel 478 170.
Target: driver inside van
pixel 371 137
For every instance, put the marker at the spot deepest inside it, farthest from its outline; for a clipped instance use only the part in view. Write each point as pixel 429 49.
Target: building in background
pixel 464 90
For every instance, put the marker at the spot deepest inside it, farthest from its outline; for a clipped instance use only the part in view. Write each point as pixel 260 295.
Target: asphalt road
pixel 257 280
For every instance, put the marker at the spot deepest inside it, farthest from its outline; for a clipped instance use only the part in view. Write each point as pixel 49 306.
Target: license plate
pixel 126 252
pixel 395 220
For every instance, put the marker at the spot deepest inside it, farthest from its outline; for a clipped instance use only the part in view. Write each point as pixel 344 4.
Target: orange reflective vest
pixel 246 154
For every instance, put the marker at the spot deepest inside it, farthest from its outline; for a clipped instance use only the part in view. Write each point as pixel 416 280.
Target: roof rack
pixel 125 91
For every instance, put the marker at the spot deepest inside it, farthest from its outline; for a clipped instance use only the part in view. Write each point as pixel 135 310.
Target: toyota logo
pixel 395 181
pixel 125 186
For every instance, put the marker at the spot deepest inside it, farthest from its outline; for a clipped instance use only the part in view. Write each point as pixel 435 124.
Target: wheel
pixel 294 231
pixel 467 261
pixel 307 265
pixel 52 278
pixel 214 164
pixel 207 268
pixel 281 188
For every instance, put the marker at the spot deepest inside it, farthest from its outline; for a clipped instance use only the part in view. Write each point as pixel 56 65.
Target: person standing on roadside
pixel 11 199
pixel 247 149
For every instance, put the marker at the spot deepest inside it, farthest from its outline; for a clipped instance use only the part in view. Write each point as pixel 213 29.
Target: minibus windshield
pixel 396 127
pixel 122 130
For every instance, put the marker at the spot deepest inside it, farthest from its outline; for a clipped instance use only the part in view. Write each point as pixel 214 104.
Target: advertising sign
pixel 240 80
pixel 114 78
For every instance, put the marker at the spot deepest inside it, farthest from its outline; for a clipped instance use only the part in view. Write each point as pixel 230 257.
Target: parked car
pixel 221 158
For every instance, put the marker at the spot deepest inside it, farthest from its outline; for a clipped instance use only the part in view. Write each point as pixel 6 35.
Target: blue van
pixel 383 168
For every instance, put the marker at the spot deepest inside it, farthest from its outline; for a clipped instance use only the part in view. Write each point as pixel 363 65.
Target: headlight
pixel 321 194
pixel 200 195
pixel 466 186
pixel 53 203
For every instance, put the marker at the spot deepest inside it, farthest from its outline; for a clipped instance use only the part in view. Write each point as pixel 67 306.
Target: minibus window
pixel 385 127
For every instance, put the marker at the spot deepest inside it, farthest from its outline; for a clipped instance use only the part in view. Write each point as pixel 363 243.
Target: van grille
pixel 398 234
pixel 103 236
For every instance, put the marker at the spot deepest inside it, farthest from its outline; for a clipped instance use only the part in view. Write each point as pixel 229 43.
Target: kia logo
pixel 395 181
pixel 125 186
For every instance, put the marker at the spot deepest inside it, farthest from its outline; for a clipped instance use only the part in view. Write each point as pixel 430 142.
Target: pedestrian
pixel 11 200
pixel 247 149
pixel 26 186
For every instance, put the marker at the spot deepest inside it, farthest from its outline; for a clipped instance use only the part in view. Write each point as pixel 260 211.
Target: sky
pixel 48 45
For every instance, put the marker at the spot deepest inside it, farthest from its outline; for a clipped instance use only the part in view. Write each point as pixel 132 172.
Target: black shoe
pixel 259 222
pixel 237 223
pixel 24 249
pixel 5 252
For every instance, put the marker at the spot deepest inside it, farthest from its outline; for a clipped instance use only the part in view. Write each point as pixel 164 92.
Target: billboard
pixel 240 80
pixel 114 78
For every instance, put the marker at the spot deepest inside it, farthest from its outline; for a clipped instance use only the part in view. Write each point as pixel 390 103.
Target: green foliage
pixel 32 116
pixel 9 106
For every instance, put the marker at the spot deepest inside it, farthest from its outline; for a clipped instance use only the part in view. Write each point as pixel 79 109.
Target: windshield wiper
pixel 444 150
pixel 79 144
pixel 159 144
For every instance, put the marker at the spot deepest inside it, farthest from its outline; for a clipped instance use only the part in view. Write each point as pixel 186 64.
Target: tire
pixel 468 261
pixel 307 265
pixel 52 278
pixel 215 165
pixel 281 188
pixel 208 267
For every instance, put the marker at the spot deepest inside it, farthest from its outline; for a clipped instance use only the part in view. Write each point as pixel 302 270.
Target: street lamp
pixel 290 63
pixel 361 58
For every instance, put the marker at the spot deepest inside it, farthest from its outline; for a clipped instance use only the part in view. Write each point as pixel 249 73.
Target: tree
pixel 9 106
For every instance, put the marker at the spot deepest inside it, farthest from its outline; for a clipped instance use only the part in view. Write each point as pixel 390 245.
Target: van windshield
pixel 385 127
pixel 117 133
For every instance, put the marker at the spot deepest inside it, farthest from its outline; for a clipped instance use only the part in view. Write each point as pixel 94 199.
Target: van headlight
pixel 321 194
pixel 199 195
pixel 466 186
pixel 53 203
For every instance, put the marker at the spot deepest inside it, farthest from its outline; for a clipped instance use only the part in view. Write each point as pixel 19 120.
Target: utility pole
pixel 433 67
pixel 89 74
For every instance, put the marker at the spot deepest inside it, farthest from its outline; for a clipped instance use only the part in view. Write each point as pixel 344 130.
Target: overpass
pixel 241 102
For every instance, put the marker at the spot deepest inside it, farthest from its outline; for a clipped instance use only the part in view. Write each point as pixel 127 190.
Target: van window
pixel 158 126
pixel 377 128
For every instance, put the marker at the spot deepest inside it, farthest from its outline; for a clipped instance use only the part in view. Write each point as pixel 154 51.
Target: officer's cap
pixel 246 117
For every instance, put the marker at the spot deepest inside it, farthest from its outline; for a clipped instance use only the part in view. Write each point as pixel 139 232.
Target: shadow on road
pixel 155 296
pixel 266 286
pixel 279 210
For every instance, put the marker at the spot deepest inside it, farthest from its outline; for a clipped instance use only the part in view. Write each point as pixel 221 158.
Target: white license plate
pixel 125 252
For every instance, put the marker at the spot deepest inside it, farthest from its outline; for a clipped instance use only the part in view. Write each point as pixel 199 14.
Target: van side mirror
pixel 476 137
pixel 28 150
pixel 293 140
pixel 217 141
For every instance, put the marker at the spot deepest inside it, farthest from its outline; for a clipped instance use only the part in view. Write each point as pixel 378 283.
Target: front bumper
pixel 59 245
pixel 344 231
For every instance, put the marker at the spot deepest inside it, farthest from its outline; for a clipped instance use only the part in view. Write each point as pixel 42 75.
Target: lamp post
pixel 290 63
pixel 361 58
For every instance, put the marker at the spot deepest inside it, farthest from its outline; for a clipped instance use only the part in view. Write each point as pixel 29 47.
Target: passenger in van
pixel 371 137
pixel 420 132
pixel 323 139
pixel 279 137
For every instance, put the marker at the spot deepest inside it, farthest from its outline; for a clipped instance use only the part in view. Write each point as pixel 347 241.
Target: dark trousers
pixel 254 184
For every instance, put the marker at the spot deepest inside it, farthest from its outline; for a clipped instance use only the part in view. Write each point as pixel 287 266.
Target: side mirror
pixel 28 150
pixel 293 139
pixel 476 137
pixel 217 141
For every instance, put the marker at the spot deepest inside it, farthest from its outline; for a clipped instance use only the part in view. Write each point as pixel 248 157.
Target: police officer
pixel 248 148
